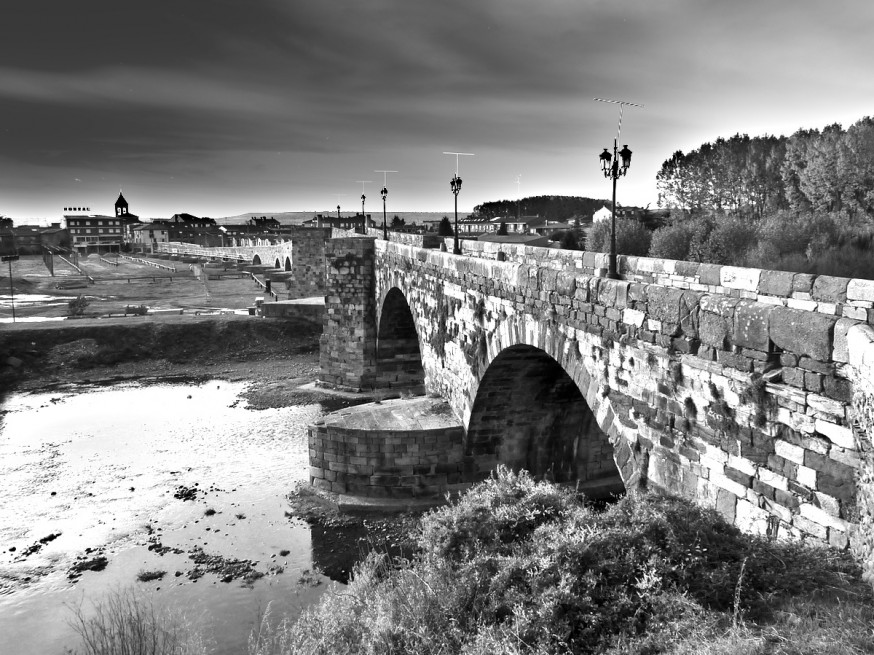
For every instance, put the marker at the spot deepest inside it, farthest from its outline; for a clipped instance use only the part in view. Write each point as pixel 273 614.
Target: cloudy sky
pixel 219 107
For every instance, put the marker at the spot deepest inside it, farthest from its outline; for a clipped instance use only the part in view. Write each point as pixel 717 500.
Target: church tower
pixel 121 206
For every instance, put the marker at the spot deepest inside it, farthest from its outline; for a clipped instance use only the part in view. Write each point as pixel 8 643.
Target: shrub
pixel 671 241
pixel 77 306
pixel 522 566
pixel 632 238
pixel 127 622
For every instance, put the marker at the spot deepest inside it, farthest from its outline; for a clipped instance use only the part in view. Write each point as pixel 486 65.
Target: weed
pixel 756 395
pixel 240 516
pixel 691 411
pixel 148 576
pixel 125 621
pixel 209 512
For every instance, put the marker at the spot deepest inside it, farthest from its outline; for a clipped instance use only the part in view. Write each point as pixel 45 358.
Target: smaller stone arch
pixel 256 260
pixel 528 413
pixel 398 354
pixel 288 263
pixel 277 264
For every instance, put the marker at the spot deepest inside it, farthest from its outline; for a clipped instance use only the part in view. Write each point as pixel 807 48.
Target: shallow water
pixel 100 470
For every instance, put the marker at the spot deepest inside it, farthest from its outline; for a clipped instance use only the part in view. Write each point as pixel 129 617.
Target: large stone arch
pixel 256 260
pixel 277 264
pixel 529 413
pixel 398 353
pixel 287 263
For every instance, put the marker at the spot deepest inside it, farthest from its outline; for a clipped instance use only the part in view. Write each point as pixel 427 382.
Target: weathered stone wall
pixel 348 343
pixel 307 265
pixel 860 346
pixel 411 464
pixel 408 239
pixel 729 386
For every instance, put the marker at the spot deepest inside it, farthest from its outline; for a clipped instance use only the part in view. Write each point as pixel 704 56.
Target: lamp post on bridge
pixel 384 193
pixel 455 186
pixel 613 170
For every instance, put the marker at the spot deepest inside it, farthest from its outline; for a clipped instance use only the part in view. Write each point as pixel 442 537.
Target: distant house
pixel 146 236
pixel 605 213
pixel 358 222
pixel 602 214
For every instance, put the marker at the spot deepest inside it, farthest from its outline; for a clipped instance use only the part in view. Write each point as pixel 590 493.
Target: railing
pixel 177 248
pixel 77 267
pixel 148 263
pixel 263 285
pixel 109 261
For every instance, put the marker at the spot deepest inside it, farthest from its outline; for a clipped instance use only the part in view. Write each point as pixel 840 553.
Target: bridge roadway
pixel 749 391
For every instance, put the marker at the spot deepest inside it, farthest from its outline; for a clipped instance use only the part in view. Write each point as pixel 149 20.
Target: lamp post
pixel 384 193
pixel 455 185
pixel 612 169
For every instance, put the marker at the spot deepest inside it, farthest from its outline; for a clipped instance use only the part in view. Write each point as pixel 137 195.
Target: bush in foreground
pixel 518 566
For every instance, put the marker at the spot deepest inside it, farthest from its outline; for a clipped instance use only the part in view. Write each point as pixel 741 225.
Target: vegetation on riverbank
pixel 517 566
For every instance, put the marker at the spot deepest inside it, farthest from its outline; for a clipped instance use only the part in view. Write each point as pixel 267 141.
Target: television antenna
pixel 622 104
pixel 457 155
pixel 385 177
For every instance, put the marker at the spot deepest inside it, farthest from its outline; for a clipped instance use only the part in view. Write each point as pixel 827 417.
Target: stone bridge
pixel 749 391
pixel 297 260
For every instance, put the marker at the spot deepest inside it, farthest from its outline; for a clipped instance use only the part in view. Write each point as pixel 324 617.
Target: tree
pixel 397 221
pixel 502 229
pixel 445 227
pixel 632 238
pixel 569 241
pixel 77 306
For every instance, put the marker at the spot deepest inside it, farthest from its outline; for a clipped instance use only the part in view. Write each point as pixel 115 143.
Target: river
pixel 105 472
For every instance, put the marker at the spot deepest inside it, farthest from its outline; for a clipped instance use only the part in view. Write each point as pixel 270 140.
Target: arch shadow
pixel 528 413
pixel 398 355
pixel 256 260
pixel 277 264
pixel 288 263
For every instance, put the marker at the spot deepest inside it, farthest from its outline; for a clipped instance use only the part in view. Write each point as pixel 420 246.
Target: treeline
pixel 821 171
pixel 554 208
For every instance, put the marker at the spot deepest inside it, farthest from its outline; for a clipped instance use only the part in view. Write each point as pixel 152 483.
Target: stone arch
pixel 277 264
pixel 530 413
pixel 256 260
pixel 288 263
pixel 398 354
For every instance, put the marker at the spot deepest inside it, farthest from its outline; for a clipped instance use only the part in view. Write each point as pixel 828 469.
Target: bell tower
pixel 121 206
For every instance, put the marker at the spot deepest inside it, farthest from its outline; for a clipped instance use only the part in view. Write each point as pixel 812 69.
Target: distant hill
pixel 557 208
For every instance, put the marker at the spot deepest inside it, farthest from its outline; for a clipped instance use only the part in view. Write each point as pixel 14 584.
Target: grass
pixel 519 566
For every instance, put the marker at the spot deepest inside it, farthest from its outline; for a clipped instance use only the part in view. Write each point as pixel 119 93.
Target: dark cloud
pixel 293 100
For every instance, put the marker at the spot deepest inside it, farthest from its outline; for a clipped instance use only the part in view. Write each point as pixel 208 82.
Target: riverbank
pixel 277 357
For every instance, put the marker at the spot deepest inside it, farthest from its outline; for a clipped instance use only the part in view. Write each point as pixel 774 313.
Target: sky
pixel 217 108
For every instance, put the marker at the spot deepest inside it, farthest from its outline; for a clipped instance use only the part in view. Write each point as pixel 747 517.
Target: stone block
pixel 822 517
pixel 789 451
pixel 830 289
pixel 750 518
pixel 810 527
pixel 709 274
pixel 802 283
pixel 745 279
pixel 803 333
pixel 838 434
pixel 860 290
pixel 776 283
pixel 751 325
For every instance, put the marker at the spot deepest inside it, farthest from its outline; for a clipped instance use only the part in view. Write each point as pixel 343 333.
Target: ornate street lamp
pixel 338 215
pixel 612 169
pixel 384 193
pixel 455 185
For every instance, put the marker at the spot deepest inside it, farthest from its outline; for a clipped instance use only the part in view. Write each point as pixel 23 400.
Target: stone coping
pixel 397 415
